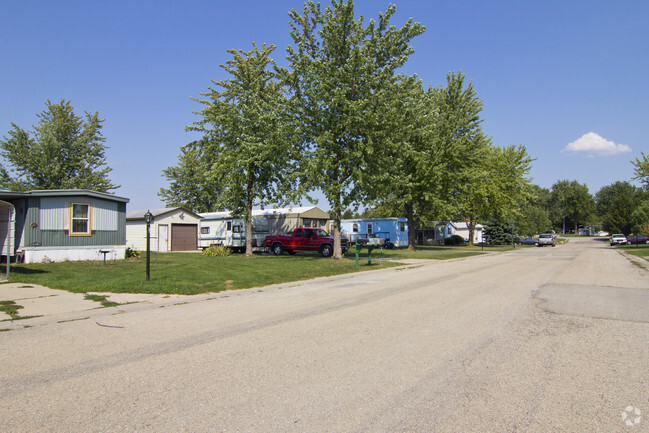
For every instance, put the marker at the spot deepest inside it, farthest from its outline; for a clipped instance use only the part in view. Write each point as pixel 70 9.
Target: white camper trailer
pixel 221 228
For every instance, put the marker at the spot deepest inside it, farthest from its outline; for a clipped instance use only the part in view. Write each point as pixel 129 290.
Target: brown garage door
pixel 184 237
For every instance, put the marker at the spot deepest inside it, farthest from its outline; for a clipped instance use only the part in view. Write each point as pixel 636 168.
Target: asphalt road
pixel 536 340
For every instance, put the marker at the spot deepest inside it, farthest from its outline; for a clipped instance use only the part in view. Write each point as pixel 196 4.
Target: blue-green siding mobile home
pixel 58 225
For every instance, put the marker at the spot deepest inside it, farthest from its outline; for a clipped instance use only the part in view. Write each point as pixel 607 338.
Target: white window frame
pixel 88 231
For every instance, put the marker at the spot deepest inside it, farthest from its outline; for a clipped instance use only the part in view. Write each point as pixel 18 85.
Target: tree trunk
pixel 338 251
pixel 248 229
pixel 471 226
pixel 412 227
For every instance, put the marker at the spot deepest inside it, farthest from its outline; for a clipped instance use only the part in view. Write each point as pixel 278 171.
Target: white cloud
pixel 593 145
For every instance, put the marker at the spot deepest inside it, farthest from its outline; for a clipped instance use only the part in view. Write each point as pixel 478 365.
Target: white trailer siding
pixel 219 228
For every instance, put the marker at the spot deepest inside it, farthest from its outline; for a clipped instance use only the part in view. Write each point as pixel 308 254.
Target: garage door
pixel 184 237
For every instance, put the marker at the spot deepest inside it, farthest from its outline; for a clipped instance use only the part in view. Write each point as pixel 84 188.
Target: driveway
pixel 536 340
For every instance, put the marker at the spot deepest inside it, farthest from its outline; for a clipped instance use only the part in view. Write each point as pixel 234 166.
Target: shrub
pixel 454 240
pixel 132 253
pixel 217 251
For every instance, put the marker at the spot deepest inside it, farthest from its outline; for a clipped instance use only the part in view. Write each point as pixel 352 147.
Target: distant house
pixel 59 225
pixel 172 229
pixel 394 229
pixel 436 232
pixel 282 221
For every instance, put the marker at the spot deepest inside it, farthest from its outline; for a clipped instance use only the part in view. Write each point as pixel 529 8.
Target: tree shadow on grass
pixel 28 271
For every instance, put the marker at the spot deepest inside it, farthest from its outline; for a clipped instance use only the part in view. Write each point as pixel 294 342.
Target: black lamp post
pixel 148 217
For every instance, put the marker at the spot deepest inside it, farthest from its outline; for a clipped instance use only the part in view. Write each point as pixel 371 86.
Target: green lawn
pixel 191 273
pixel 641 251
pixel 182 273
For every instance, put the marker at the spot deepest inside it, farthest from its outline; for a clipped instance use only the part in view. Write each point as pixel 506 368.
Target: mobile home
pixel 394 229
pixel 59 225
pixel 221 228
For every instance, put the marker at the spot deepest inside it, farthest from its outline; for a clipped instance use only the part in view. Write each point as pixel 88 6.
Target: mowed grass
pixel 191 273
pixel 183 273
pixel 639 250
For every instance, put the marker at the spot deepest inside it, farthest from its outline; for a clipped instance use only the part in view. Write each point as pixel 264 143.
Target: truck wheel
pixel 326 250
pixel 277 249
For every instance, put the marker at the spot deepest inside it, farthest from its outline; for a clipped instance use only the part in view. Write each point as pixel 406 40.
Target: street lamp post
pixel 148 217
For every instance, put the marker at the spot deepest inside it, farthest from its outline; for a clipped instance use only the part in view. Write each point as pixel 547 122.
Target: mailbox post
pixel 370 244
pixel 148 217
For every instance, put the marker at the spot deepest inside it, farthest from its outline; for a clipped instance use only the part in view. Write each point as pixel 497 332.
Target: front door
pixel 163 238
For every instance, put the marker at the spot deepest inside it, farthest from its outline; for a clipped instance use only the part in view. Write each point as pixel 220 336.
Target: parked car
pixel 546 239
pixel 638 240
pixel 305 239
pixel 528 241
pixel 618 239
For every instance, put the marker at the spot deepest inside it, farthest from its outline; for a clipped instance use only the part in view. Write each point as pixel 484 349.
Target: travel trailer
pixel 221 228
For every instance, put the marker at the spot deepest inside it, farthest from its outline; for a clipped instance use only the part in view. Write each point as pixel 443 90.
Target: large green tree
pixel 341 74
pixel 496 188
pixel 534 215
pixel 571 203
pixel 64 151
pixel 615 204
pixel 409 184
pixel 247 142
pixel 190 182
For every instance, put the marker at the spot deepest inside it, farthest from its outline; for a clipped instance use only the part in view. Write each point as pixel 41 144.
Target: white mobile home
pixel 394 229
pixel 437 232
pixel 221 228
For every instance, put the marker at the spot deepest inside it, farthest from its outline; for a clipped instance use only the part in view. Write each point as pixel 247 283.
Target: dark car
pixel 528 241
pixel 638 240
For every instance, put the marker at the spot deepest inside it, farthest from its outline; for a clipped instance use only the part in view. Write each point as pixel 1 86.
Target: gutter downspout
pixel 10 214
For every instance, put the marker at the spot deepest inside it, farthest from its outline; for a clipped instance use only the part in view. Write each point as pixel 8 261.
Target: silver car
pixel 618 239
pixel 546 239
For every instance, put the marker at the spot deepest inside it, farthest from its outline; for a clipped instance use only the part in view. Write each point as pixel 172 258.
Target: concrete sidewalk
pixel 42 305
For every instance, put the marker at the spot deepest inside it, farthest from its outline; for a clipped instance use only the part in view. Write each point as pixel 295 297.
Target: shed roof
pixel 139 214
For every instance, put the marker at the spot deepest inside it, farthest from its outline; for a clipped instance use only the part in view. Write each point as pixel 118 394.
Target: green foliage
pixel 132 253
pixel 63 151
pixel 571 204
pixel 247 153
pixel 641 170
pixel 190 183
pixel 533 219
pixel 615 205
pixel 639 219
pixel 217 251
pixel 499 233
pixel 341 77
pixel 454 240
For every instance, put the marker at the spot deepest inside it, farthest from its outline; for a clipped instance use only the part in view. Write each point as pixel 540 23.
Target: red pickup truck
pixel 304 239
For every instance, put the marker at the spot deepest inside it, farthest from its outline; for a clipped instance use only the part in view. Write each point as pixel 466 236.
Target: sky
pixel 567 79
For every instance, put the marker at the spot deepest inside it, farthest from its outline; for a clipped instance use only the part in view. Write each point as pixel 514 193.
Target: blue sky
pixel 567 79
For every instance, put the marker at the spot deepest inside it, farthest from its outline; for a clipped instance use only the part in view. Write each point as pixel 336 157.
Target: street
pixel 533 340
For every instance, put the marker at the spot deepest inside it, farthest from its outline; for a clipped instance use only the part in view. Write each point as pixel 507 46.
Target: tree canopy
pixel 341 72
pixel 641 170
pixel 64 151
pixel 571 203
pixel 246 149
